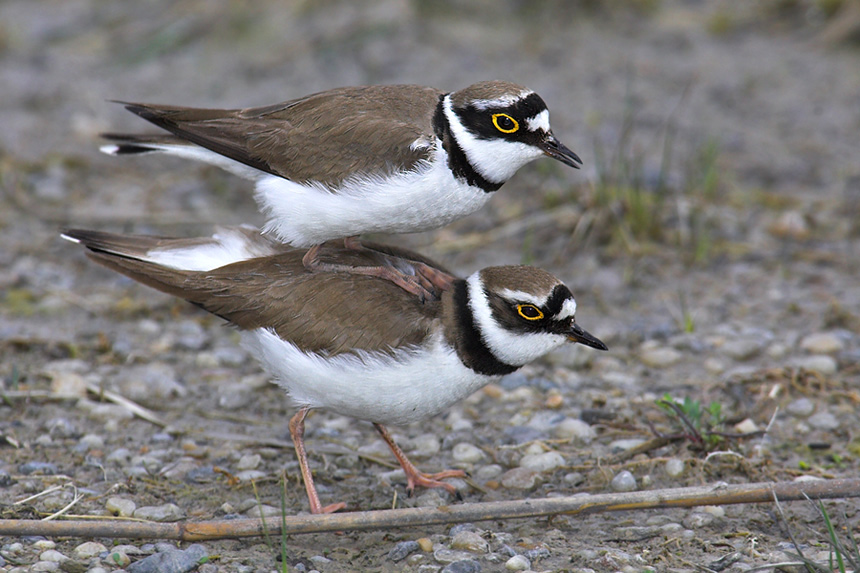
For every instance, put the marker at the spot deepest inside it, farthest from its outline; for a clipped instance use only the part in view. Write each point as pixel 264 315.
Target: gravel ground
pixel 711 239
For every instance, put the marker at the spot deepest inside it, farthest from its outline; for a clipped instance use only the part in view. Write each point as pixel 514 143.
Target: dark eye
pixel 505 123
pixel 529 312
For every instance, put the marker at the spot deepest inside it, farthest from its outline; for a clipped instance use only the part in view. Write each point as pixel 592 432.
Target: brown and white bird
pixel 354 344
pixel 369 159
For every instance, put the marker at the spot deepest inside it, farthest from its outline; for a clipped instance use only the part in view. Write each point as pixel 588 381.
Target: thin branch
pixel 424 516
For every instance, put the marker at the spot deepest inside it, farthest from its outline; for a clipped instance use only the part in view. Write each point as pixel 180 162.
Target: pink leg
pixel 297 431
pixel 414 477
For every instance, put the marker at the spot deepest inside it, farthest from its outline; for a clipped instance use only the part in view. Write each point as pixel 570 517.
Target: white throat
pixel 496 160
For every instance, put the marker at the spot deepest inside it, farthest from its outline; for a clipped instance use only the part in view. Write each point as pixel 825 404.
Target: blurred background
pixel 711 236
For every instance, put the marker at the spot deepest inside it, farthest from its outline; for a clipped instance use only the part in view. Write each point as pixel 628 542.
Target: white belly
pixel 372 387
pixel 427 198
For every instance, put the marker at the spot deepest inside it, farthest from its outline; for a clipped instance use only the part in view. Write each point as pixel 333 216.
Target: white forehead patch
pixel 540 122
pixel 520 296
pixel 568 309
pixel 504 101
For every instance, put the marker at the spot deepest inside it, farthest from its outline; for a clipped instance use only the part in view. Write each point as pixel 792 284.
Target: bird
pixel 363 159
pixel 354 344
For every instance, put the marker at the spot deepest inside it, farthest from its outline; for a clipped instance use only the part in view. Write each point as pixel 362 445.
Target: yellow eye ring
pixel 507 121
pixel 529 312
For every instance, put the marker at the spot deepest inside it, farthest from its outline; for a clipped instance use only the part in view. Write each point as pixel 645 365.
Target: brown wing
pixel 323 312
pixel 324 137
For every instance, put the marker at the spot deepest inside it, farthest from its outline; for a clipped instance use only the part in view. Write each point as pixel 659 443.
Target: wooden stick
pixel 721 494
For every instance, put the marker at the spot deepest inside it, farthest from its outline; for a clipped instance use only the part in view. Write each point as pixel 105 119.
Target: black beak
pixel 581 336
pixel 556 149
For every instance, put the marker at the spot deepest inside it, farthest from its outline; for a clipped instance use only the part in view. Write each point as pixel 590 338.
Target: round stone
pixel 623 481
pixel 520 478
pixel 674 467
pixel 801 408
pixel 120 506
pixel 659 357
pixel 88 550
pixel 545 462
pixel 573 429
pixel 466 453
pixel 517 563
pixel 469 541
pixel 822 343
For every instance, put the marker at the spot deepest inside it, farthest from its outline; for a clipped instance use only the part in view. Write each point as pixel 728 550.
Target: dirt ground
pixel 711 239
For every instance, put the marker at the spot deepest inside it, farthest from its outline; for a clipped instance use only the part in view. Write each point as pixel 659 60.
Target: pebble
pixel 447 556
pixel 821 363
pixel 41 468
pixel 659 357
pixel 52 555
pixel 674 467
pixel 162 513
pixel 235 396
pixel 545 462
pixel 90 442
pixel 250 475
pixel 518 563
pixel 120 506
pixel 425 446
pixel 62 428
pixel 88 550
pixel 574 478
pixel 150 384
pixel 426 544
pixel 44 544
pixel 623 481
pixel 488 472
pixel 745 426
pixel 801 408
pixel 618 446
pixel 742 348
pixel 68 384
pixel 463 566
pixel 520 478
pixel 823 421
pixel 249 462
pixel 117 559
pixel 402 550
pixel 466 453
pixel 822 343
pixel 171 561
pixel 697 520
pixel 45 566
pixel 574 429
pixel 470 541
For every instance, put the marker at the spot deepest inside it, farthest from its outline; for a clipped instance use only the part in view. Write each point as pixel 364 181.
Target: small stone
pixel 117 559
pixel 52 555
pixel 463 566
pixel 235 396
pixel 697 520
pixel 801 408
pixel 88 550
pixel 822 343
pixel 466 453
pixel 44 545
pixel 40 566
pixel 63 428
pixel 659 357
pixel 249 462
pixel 250 475
pixel 171 560
pixel 823 421
pixel 40 468
pixel 714 365
pixel 470 541
pixel 120 506
pixel 746 426
pixel 425 445
pixel 520 478
pixel 574 478
pixel 821 363
pixel 741 348
pixel 68 384
pixel 517 563
pixel 623 481
pixel 488 472
pixel 402 550
pixel 319 559
pixel 426 544
pixel 618 446
pixel 573 429
pixel 545 462
pixel 90 442
pixel 715 510
pixel 150 384
pixel 790 225
pixel 447 556
pixel 674 467
pixel 162 513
